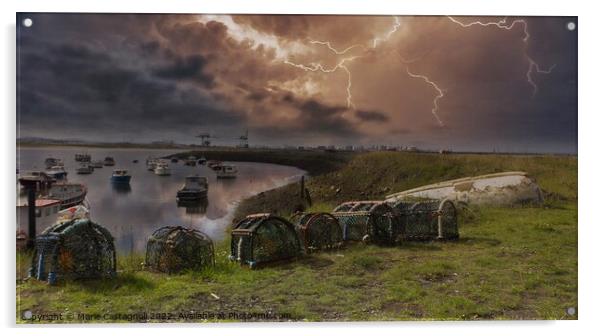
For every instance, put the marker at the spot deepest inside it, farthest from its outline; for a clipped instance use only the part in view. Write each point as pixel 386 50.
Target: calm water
pixel 132 214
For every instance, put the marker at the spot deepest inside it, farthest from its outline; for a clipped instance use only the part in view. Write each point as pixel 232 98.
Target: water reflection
pixel 121 188
pixel 133 212
pixel 194 207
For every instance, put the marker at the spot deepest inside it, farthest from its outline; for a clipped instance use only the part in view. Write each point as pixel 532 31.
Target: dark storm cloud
pixel 186 68
pixel 71 87
pixel 102 76
pixel 371 116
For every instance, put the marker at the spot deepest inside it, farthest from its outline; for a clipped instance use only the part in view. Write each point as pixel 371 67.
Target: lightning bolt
pixel 440 93
pixel 394 29
pixel 314 67
pixel 503 24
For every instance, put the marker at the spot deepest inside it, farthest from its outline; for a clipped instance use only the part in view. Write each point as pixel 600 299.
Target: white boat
pixel 46 215
pixel 97 164
pixel 194 189
pixel 57 172
pixel 82 157
pixel 85 168
pixel 162 169
pixel 37 177
pixel 505 188
pixel 226 171
pixel 151 163
pixel 52 162
pixel 109 161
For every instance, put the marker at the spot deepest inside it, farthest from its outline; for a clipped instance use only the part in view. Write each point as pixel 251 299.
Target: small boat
pixel 135 161
pixel 84 168
pixel 202 160
pixel 38 178
pixel 213 163
pixel 52 162
pixel 191 161
pixel 498 189
pixel 194 189
pixel 174 160
pixel 97 164
pixel 162 169
pixel 109 161
pixel 57 172
pixel 82 157
pixel 151 163
pixel 226 171
pixel 69 194
pixel 46 213
pixel 121 176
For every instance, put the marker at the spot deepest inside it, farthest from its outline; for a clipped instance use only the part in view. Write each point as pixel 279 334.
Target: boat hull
pixel 499 189
pixel 121 179
pixel 162 172
pixel 191 195
pixel 58 175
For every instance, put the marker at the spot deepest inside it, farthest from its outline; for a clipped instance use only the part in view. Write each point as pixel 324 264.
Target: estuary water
pixel 132 214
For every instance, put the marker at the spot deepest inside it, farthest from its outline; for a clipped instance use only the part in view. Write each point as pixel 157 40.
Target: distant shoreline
pixel 192 148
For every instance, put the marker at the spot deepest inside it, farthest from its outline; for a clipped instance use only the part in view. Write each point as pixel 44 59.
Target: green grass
pixel 510 263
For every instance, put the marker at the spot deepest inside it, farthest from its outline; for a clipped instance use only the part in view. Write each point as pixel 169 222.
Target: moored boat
pixel 226 171
pixel 121 176
pixel 52 162
pixel 191 161
pixel 151 163
pixel 46 214
pixel 69 194
pixel 109 161
pixel 194 189
pixel 213 164
pixel 35 177
pixel 79 157
pixel 57 172
pixel 97 164
pixel 84 168
pixel 162 169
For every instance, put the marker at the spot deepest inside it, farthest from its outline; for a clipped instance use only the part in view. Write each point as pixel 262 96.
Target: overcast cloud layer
pixel 300 80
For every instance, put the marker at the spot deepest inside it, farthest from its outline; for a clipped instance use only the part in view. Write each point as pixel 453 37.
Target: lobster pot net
pixel 368 221
pixel 263 238
pixel 172 249
pixel 319 231
pixel 428 219
pixel 76 249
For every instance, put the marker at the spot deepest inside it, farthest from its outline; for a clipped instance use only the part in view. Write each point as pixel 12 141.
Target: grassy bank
pixel 510 263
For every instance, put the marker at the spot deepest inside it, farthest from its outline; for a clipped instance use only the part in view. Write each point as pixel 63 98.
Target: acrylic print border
pixel 581 24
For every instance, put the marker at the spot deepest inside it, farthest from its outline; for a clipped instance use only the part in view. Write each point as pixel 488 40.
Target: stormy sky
pixel 461 83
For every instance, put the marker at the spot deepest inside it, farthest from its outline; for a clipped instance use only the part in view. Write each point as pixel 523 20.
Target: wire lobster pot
pixel 172 249
pixel 369 221
pixel 75 249
pixel 318 231
pixel 263 238
pixel 428 219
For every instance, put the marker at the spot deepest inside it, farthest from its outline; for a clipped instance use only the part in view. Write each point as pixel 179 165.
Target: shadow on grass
pixel 420 246
pixel 129 282
pixel 478 241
